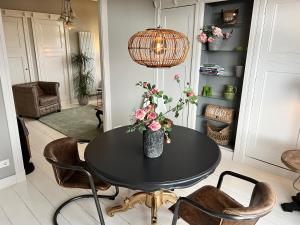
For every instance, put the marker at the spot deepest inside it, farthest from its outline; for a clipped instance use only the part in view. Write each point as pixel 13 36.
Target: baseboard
pixel 226 154
pixel 11 180
pixel 8 181
pixel 270 168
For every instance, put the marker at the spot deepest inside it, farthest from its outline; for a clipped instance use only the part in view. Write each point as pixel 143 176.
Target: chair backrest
pixel 263 200
pixel 64 151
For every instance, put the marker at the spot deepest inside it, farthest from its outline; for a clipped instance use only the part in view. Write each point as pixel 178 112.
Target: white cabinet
pixel 37 46
pixel 275 114
pixel 51 54
pixel 16 49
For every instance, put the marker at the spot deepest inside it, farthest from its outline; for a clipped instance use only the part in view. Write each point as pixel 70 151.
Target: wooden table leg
pixel 152 200
pixel 129 203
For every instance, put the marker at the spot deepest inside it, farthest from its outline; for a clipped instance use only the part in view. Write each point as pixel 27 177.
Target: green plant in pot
pixel 83 78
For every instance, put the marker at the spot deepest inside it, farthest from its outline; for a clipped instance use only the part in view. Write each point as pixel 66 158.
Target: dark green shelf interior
pixel 228 57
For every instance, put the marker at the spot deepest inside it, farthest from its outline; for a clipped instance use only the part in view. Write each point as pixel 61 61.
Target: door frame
pixel 9 107
pixel 105 64
pixel 25 15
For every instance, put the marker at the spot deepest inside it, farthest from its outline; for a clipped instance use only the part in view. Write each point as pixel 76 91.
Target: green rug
pixel 80 122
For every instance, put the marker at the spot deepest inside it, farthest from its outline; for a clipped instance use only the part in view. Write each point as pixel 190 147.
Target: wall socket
pixel 4 163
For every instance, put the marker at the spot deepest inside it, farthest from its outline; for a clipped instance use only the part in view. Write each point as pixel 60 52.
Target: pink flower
pixel 145 84
pixel 226 35
pixel 190 94
pixel 140 114
pixel 217 31
pixel 210 39
pixel 149 108
pixel 154 91
pixel 154 126
pixel 177 76
pixel 202 37
pixel 152 116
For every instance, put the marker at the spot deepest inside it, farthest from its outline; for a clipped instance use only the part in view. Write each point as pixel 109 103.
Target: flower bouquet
pixel 154 125
pixel 214 36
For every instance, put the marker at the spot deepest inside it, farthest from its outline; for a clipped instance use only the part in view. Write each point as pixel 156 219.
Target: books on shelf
pixel 212 69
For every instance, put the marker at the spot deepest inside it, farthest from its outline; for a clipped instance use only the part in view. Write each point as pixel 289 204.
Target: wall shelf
pixel 223 51
pixel 225 75
pixel 217 97
pixel 215 120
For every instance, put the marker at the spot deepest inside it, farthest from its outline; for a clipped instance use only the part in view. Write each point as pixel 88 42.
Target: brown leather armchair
pixel 71 172
pixel 36 99
pixel 210 206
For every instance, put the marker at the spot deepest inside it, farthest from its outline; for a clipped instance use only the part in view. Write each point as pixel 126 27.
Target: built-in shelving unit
pixel 232 53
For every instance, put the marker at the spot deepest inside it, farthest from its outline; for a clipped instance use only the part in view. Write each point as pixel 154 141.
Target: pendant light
pixel 158 47
pixel 67 14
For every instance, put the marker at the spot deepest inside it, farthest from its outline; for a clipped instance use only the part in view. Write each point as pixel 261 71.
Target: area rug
pixel 79 122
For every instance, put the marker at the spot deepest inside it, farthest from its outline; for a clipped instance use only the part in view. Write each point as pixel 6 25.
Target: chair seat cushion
pixel 81 180
pixel 211 198
pixel 48 100
pixel 291 159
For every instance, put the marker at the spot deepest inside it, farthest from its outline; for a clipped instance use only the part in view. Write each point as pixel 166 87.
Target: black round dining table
pixel 117 157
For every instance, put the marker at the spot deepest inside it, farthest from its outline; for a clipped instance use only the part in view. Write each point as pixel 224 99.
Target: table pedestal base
pixel 153 200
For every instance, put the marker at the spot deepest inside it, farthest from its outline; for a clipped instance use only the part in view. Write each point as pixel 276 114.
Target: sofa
pixel 36 99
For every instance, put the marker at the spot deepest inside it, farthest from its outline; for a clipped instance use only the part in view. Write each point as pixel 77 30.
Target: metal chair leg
pixel 295 182
pixel 68 202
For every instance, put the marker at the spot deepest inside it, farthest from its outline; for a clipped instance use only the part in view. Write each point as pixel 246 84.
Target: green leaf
pixel 142 129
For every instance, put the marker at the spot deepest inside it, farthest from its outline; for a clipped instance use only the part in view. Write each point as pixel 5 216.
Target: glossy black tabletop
pixel 118 158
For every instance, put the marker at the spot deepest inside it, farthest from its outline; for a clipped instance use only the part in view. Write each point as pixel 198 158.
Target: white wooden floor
pixel 33 202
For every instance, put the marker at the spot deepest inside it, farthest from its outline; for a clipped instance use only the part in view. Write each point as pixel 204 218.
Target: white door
pixel 50 44
pixel 179 19
pixel 275 116
pixel 16 49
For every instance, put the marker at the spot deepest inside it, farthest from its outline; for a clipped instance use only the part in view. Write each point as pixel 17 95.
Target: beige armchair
pixel 36 99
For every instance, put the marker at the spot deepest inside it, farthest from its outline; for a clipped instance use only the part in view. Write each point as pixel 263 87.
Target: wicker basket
pixel 221 135
pixel 219 113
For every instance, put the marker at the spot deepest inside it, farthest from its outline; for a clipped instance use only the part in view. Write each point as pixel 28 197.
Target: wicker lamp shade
pixel 158 48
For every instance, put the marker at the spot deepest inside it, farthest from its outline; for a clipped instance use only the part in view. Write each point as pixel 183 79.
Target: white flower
pixel 217 32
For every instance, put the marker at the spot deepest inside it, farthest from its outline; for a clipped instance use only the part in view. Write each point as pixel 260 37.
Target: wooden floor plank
pixel 57 196
pixel 38 204
pixel 4 220
pixel 16 210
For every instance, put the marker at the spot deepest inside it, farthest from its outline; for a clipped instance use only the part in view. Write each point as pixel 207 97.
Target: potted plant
pixel 154 125
pixel 214 36
pixel 83 78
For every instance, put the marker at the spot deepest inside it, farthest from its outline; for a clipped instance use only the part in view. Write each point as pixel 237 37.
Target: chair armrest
pixel 69 167
pixel 209 212
pixel 233 174
pixel 26 100
pixel 50 88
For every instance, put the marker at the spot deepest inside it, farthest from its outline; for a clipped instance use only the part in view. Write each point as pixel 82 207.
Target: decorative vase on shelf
pixel 239 71
pixel 230 92
pixel 216 44
pixel 153 143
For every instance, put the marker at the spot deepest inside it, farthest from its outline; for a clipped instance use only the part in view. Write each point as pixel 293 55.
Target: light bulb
pixel 159 45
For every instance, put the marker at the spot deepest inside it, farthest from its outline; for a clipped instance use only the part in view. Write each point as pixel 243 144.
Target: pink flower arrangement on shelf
pixel 148 117
pixel 210 33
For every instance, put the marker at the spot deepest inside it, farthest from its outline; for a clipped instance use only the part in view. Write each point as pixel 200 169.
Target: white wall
pixel 5 150
pixel 124 19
